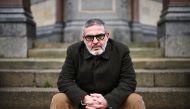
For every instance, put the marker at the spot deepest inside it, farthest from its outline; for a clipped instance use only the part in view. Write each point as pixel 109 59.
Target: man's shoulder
pixel 76 45
pixel 119 45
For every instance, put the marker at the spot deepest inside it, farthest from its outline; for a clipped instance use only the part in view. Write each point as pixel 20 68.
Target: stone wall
pixel 44 12
pixel 150 11
pixel 115 12
pixel 17 30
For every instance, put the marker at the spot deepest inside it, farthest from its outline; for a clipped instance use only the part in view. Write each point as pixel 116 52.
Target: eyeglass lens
pixel 98 37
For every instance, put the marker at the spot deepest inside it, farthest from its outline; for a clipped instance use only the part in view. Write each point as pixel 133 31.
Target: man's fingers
pixel 96 95
pixel 89 107
pixel 90 103
pixel 97 106
pixel 99 100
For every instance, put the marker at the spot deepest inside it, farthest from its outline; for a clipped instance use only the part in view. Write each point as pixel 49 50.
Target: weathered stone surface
pixel 165 98
pixel 44 12
pixel 115 15
pixel 136 32
pixel 39 44
pixel 121 34
pixel 31 63
pixel 163 77
pixel 72 33
pixel 150 11
pixel 161 63
pixel 29 98
pixel 14 78
pixel 13 46
pixel 173 30
pixel 144 33
pixel 17 31
pixel 12 29
pixel 146 52
pixel 28 78
pixel 46 79
pixel 47 53
pixel 173 78
pixel 145 79
pixel 80 10
pixel 177 46
pixel 86 5
pixel 139 63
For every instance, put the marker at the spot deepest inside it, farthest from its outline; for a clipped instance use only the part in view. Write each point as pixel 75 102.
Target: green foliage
pixel 47 84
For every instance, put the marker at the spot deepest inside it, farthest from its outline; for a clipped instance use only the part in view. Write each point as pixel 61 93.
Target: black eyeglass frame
pixel 99 37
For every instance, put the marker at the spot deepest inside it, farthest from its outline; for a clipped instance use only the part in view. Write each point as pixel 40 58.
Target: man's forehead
pixel 94 28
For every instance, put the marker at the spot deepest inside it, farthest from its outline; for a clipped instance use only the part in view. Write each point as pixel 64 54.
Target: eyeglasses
pixel 98 37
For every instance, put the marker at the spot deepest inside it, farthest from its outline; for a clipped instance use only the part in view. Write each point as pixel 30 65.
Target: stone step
pixel 146 52
pixel 65 45
pixel 165 98
pixel 139 63
pixel 30 63
pixel 40 98
pixel 28 77
pixel 48 78
pixel 51 45
pixel 61 52
pixel 163 78
pixel 26 98
pixel 47 53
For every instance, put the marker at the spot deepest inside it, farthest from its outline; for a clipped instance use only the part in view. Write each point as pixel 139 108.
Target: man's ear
pixel 108 34
pixel 81 38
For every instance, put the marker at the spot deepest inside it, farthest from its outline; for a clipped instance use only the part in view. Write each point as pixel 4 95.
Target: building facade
pixel 127 20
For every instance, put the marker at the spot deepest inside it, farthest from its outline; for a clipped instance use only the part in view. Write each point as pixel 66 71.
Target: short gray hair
pixel 92 22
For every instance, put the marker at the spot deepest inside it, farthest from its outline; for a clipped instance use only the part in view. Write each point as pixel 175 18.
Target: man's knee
pixel 135 98
pixel 60 99
pixel 135 101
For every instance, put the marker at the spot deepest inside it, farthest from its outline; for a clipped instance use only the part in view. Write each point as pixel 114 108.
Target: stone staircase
pixel 29 83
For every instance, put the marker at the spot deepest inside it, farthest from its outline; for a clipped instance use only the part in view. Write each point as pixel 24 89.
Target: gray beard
pixel 98 52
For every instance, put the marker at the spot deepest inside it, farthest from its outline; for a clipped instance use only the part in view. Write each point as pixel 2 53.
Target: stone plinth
pixel 17 31
pixel 173 30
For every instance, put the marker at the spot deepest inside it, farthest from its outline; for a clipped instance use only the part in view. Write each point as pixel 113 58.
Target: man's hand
pixel 95 101
pixel 89 101
pixel 102 103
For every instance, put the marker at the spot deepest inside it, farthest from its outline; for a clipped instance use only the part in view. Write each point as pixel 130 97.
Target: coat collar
pixel 105 54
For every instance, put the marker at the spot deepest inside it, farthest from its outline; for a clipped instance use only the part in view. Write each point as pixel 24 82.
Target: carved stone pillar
pixel 173 28
pixel 17 28
pixel 136 30
pixel 59 25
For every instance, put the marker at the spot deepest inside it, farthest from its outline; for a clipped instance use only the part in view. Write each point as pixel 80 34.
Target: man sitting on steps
pixel 97 74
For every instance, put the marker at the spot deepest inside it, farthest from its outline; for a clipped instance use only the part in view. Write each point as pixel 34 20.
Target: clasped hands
pixel 95 101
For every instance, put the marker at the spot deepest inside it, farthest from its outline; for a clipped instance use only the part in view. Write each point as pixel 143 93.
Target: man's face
pixel 95 37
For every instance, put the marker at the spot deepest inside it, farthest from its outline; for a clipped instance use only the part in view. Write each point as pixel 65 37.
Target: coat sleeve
pixel 126 85
pixel 66 81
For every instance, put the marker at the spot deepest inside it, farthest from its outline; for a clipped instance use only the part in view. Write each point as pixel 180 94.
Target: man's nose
pixel 95 40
